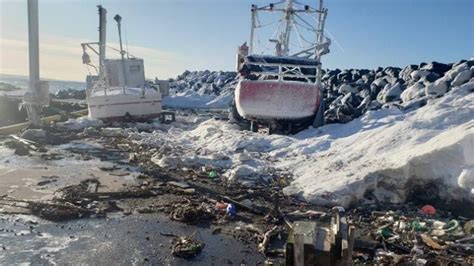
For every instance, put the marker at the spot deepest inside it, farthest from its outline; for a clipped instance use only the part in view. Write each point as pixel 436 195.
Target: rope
pixel 309 26
pixel 268 24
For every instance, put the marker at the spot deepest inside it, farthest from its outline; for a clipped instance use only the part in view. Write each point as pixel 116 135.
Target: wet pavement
pixel 116 240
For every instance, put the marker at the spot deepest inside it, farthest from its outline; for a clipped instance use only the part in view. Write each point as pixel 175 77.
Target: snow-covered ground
pixel 382 152
pixel 191 99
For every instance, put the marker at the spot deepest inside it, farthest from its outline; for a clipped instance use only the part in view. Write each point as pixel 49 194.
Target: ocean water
pixel 54 85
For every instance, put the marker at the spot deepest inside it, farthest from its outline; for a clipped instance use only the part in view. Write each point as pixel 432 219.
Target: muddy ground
pixel 92 197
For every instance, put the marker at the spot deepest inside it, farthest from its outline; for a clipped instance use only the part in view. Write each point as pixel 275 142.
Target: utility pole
pixel 38 93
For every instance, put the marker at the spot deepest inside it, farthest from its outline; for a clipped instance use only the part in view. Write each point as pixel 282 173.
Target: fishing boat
pixel 282 91
pixel 118 88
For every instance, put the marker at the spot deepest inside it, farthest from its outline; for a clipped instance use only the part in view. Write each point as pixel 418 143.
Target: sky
pixel 177 35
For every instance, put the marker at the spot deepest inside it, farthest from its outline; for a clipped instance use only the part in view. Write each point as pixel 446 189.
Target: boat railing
pixel 282 71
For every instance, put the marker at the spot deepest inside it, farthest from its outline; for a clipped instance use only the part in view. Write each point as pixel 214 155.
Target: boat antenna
pixel 118 18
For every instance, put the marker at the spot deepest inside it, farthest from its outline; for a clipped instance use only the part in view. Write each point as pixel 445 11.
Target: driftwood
pixel 262 247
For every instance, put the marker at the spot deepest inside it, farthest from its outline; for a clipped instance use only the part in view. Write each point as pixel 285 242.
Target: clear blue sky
pixel 204 34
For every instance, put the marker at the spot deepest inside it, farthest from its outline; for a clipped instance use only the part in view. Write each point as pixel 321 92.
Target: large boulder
pixel 392 71
pixel 405 73
pixel 461 78
pixel 346 88
pixel 415 91
pixel 438 68
pixel 380 82
pixel 451 74
pixel 418 74
pixel 437 88
pixel 430 78
pixel 390 93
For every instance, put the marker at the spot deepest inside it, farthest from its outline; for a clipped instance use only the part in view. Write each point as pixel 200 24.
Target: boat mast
pixel 320 39
pixel 118 18
pixel 285 36
pixel 102 40
pixel 252 30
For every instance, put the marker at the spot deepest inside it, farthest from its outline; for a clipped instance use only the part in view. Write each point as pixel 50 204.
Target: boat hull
pixel 120 105
pixel 273 99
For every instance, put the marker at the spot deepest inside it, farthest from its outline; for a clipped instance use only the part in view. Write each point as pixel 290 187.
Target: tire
pixel 319 118
pixel 234 116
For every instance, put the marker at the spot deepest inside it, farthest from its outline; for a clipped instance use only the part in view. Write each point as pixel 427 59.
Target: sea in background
pixel 54 85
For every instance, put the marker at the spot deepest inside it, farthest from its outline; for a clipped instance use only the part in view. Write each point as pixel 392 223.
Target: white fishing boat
pixel 118 89
pixel 282 91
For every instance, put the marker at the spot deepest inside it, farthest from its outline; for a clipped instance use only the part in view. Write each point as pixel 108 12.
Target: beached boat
pixel 119 88
pixel 282 91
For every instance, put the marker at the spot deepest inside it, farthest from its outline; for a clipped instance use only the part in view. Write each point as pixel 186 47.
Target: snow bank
pixel 382 153
pixel 388 153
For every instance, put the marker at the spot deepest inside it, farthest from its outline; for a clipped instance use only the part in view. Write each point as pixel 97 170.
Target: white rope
pixel 268 24
pixel 309 27
pixel 298 34
pixel 335 40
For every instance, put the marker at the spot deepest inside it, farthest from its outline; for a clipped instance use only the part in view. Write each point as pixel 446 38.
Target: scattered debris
pixel 187 247
pixel 262 247
pixel 190 213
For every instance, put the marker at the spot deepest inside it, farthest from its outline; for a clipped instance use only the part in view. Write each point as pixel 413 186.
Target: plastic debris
pixel 231 211
pixel 213 174
pixel 419 226
pixel 451 226
pixel 428 210
pixel 221 205
pixel 385 232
